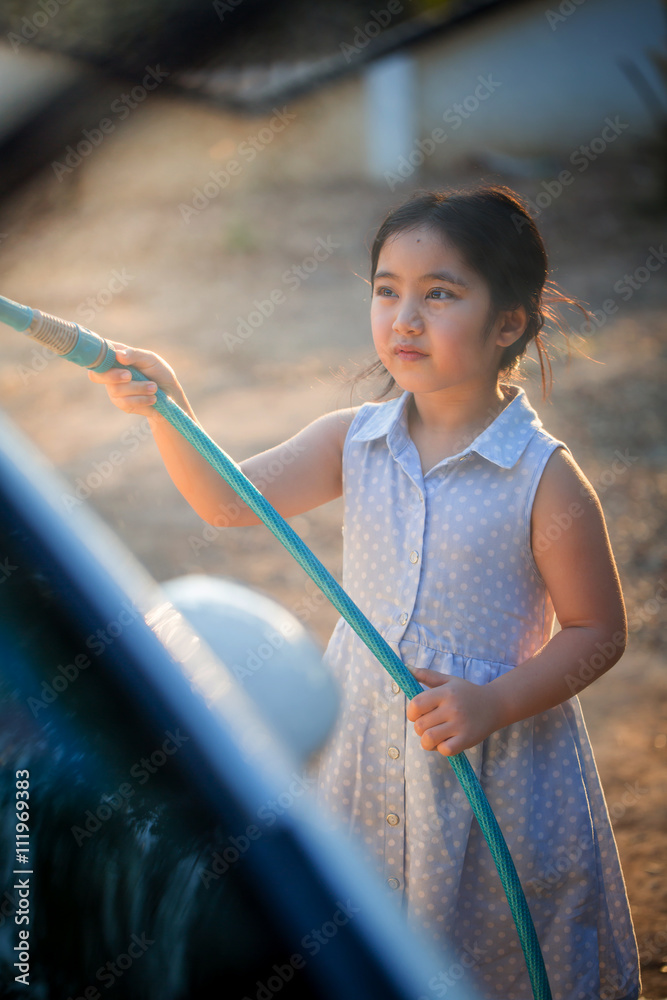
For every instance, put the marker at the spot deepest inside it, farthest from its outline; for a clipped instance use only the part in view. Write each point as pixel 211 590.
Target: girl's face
pixel 429 316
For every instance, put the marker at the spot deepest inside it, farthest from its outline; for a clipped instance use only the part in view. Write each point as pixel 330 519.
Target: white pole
pixel 390 88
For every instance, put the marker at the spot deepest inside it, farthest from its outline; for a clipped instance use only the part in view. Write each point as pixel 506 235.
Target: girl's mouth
pixel 406 352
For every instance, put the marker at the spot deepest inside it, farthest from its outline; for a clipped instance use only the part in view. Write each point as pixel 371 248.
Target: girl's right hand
pixel 134 396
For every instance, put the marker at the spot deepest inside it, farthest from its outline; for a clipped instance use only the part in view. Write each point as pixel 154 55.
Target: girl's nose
pixel 408 320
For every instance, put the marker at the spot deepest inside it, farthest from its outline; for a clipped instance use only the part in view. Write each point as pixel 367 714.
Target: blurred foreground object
pixel 268 651
pixel 158 838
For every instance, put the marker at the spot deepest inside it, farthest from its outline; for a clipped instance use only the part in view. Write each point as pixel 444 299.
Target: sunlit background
pixel 204 179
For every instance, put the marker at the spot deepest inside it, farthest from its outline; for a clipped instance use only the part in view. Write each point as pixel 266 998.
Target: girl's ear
pixel 513 325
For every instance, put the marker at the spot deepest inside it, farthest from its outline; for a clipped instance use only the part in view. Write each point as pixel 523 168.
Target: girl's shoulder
pixel 371 420
pixel 563 484
pixel 331 428
pixel 363 422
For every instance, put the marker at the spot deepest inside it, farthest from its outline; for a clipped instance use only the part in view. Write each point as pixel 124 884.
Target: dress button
pixel 394 753
pixel 392 819
pixel 395 687
pixel 414 556
pixel 393 883
pixel 403 619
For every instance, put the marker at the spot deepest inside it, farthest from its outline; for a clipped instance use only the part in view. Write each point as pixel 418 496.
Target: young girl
pixel 467 526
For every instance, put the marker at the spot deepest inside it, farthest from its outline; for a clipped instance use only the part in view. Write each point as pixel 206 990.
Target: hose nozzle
pixel 69 340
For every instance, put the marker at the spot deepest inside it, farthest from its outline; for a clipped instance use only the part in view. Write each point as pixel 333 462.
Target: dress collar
pixel 503 442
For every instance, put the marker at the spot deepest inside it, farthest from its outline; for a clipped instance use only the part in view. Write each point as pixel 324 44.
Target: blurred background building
pixel 377 91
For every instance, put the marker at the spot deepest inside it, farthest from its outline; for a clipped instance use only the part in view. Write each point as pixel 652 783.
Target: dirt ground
pixel 107 246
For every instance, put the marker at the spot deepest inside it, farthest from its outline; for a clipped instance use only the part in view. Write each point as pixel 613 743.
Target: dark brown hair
pixel 495 235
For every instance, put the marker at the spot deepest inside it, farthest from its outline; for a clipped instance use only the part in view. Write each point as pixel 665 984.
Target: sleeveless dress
pixel 442 565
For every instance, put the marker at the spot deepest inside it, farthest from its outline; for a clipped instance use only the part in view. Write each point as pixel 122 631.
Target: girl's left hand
pixel 454 714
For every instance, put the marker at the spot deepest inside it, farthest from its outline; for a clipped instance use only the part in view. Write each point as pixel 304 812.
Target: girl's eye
pixel 436 293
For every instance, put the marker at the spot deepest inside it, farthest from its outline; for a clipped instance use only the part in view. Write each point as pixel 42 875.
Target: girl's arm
pixel 581 577
pixel 295 476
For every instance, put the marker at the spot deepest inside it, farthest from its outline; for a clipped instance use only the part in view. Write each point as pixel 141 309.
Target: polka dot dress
pixel 443 567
